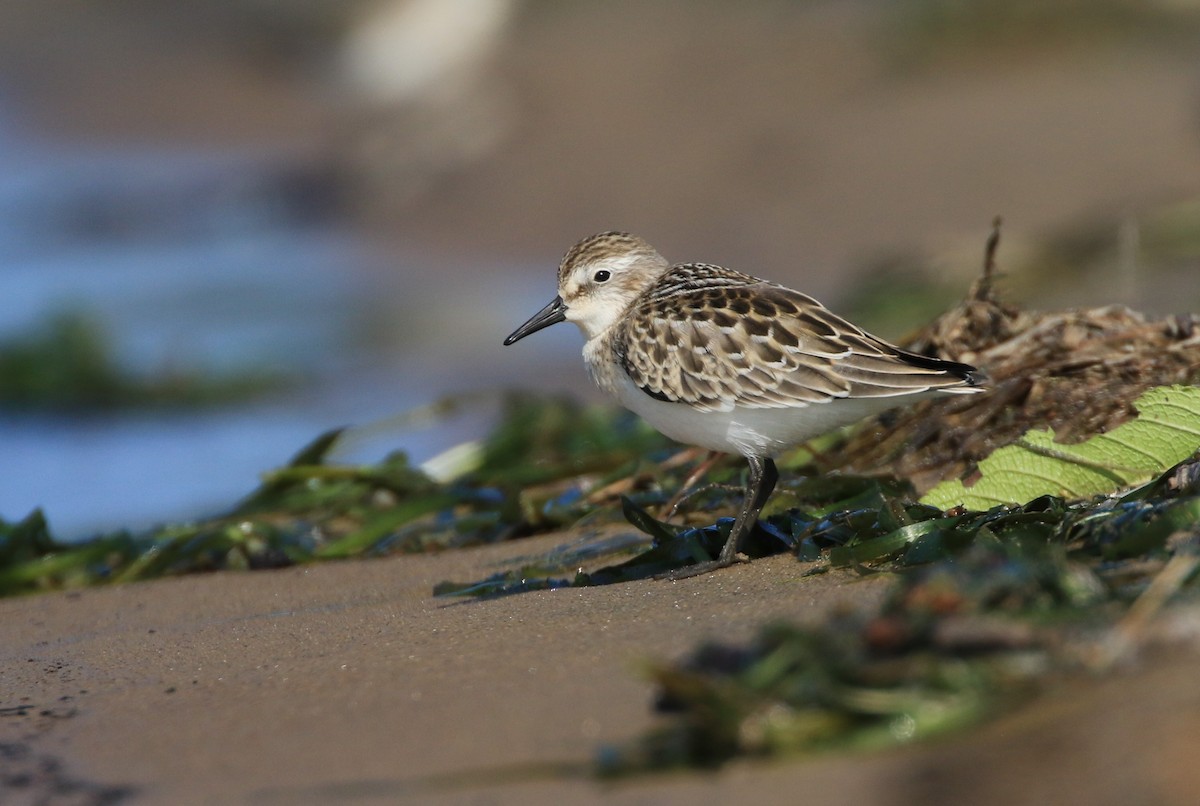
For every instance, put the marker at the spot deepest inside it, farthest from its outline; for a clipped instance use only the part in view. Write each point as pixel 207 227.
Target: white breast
pixel 757 431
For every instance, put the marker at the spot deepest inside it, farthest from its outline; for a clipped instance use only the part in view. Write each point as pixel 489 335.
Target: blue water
pixel 211 261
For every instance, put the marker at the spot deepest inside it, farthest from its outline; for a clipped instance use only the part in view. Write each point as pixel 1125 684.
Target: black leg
pixel 759 486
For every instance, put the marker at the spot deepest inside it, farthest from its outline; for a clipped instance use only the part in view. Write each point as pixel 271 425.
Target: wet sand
pixel 349 682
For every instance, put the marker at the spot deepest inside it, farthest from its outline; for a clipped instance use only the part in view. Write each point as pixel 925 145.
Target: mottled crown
pixel 605 245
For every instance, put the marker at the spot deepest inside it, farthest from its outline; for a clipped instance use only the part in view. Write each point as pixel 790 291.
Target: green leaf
pixel 1166 431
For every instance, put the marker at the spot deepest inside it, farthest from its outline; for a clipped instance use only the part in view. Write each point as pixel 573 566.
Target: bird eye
pixel 601 276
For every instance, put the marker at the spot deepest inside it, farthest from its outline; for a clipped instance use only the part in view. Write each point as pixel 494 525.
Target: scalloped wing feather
pixel 715 339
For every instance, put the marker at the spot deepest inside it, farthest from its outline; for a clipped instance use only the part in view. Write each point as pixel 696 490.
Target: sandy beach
pixel 348 682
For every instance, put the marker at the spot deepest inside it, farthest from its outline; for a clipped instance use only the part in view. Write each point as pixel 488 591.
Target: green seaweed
pixel 310 509
pixel 984 606
pixel 68 364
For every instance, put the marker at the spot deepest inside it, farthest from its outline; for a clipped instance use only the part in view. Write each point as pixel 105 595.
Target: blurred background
pixel 227 227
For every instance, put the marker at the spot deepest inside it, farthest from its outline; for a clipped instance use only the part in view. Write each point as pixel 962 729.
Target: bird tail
pixel 972 379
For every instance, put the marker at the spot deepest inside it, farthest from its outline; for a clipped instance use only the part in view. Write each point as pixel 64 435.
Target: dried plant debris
pixel 1076 373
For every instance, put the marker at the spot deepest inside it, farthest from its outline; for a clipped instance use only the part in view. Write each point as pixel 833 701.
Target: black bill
pixel 552 314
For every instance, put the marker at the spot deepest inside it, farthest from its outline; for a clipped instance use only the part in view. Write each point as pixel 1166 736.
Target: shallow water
pixel 207 261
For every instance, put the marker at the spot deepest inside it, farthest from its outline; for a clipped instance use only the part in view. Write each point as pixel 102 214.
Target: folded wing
pixel 715 340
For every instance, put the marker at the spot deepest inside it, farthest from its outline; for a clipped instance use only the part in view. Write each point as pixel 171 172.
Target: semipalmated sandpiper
pixel 722 360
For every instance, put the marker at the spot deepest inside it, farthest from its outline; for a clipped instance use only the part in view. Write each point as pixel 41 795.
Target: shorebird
pixel 722 360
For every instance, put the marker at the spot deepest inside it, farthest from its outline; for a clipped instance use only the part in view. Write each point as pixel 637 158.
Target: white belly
pixel 757 432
